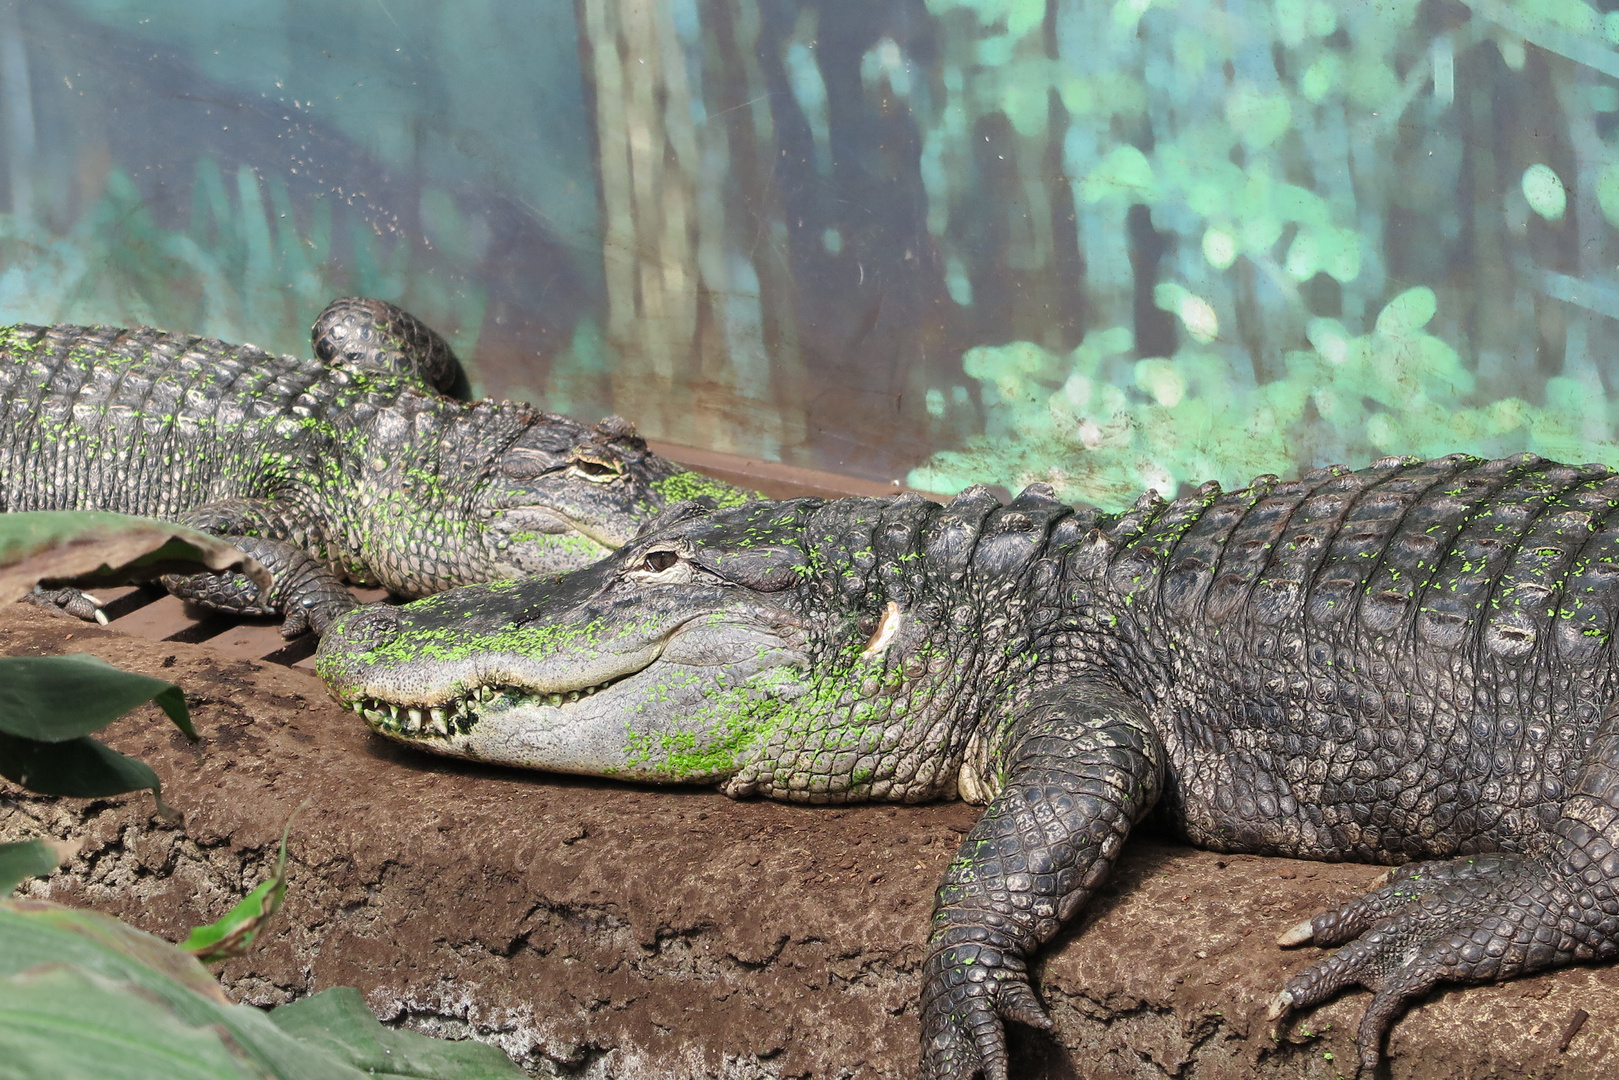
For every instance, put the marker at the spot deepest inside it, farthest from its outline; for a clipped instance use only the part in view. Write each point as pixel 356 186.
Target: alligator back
pixel 1403 661
pixel 143 422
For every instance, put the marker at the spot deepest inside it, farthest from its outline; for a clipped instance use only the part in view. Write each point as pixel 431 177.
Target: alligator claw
pixel 1297 935
pixel 1471 919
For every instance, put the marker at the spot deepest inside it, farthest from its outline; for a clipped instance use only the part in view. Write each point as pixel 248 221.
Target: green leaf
pixel 90 547
pixel 1125 173
pixel 232 935
pixel 1162 380
pixel 79 768
pixel 1303 256
pixel 55 698
pixel 1608 192
pixel 1219 247
pixel 1258 118
pixel 338 1022
pixel 34 933
pixel 1320 77
pixel 29 858
pixel 1339 251
pixel 1408 312
pixel 66 1023
pixel 1544 190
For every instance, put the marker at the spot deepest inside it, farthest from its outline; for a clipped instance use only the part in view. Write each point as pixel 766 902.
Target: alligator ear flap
pixel 618 433
pixel 765 568
pixel 676 513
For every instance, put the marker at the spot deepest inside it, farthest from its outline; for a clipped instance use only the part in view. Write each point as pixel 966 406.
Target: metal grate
pixel 147 611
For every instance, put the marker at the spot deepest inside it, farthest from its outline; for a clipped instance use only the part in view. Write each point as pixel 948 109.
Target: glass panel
pixel 1108 245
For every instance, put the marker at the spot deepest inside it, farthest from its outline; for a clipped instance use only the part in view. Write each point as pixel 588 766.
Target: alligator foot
pixel 1473 919
pixel 81 605
pixel 305 593
pixel 970 989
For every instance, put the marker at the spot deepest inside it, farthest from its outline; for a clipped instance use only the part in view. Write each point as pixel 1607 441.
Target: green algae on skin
pixel 690 485
pixel 721 737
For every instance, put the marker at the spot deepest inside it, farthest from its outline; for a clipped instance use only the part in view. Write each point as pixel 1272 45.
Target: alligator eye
pixel 659 561
pixel 596 471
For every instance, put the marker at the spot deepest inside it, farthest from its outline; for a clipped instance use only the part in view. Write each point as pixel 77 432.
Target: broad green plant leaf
pixel 94 548
pixel 30 858
pixel 69 1024
pixel 1408 312
pixel 47 703
pixel 231 935
pixel 36 932
pixel 55 698
pixel 80 768
pixel 126 978
pixel 338 1021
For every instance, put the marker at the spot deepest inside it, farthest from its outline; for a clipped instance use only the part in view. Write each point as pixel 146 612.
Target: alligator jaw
pixel 467 705
pixel 460 714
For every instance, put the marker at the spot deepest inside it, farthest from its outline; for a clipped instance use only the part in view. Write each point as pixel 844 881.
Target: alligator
pixel 351 465
pixel 1409 664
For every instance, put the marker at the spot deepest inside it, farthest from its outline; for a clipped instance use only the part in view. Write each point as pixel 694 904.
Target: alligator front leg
pixel 1082 766
pixel 303 592
pixel 68 601
pixel 1478 918
pixel 306 593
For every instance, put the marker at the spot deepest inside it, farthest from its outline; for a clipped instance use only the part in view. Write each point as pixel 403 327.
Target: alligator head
pixel 562 495
pixel 786 648
pixel 533 492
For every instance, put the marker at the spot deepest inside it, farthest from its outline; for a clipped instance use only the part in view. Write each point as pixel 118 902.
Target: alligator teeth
pixel 440 722
pixel 556 699
pixel 573 695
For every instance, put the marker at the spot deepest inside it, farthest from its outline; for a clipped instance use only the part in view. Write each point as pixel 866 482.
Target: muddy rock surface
pixel 604 930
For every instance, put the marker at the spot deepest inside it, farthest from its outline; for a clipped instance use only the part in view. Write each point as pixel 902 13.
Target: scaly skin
pixel 365 332
pixel 324 472
pixel 1410 662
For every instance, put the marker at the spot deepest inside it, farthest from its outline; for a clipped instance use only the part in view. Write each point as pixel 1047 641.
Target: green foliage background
pixel 1109 244
pixel 1365 254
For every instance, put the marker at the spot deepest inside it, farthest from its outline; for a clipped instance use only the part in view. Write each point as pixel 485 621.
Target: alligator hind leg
pixel 1082 766
pixel 1479 918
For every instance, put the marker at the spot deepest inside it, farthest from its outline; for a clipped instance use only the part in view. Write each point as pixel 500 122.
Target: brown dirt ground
pixel 604 930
